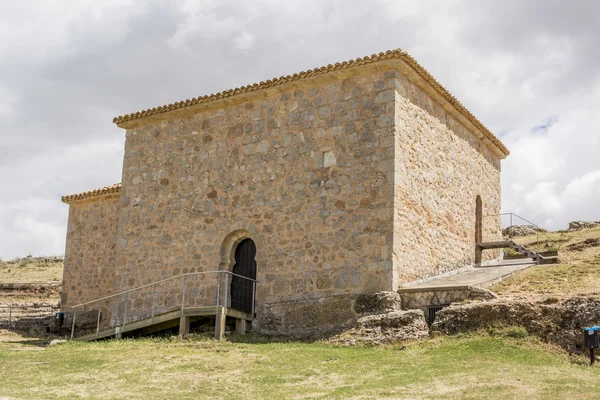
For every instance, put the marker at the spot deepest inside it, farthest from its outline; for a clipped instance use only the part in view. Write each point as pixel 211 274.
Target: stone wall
pixel 441 168
pixel 90 250
pixel 305 172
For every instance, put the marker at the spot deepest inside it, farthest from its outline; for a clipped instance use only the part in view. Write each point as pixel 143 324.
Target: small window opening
pixel 432 312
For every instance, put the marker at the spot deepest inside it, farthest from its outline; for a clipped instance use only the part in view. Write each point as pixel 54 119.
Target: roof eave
pixel 95 194
pixel 393 58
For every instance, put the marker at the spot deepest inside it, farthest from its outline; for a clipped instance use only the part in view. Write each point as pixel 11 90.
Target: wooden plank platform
pixel 166 317
pixel 495 245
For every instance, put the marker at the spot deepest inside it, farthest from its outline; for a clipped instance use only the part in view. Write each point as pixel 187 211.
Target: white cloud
pixel 244 41
pixel 7 102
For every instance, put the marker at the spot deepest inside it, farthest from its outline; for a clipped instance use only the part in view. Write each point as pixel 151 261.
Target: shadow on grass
pixel 35 342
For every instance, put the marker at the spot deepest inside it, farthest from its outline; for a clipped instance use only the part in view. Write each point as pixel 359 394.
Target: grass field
pixel 31 272
pixel 465 367
pixel 577 274
pixel 505 364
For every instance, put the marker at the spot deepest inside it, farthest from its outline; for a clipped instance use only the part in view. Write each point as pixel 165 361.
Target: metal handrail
pixel 162 281
pixel 120 326
pixel 537 231
pixel 518 216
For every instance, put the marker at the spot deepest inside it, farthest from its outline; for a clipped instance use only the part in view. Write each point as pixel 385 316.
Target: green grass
pixel 495 366
pixel 499 364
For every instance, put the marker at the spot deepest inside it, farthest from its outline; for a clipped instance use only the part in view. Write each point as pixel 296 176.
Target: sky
pixel 529 70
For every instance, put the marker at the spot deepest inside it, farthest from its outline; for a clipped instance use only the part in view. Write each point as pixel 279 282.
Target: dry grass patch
pixel 31 272
pixel 578 273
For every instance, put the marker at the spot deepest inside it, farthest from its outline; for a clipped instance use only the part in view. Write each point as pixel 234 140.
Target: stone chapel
pixel 282 202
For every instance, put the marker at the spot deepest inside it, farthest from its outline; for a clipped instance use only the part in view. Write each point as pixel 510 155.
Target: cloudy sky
pixel 529 69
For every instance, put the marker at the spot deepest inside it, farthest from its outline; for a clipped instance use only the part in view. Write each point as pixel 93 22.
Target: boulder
pixel 388 328
pixel 377 303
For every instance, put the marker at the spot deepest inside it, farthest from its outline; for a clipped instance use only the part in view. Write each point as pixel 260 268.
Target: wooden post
pixel 240 326
pixel 98 322
pixel 73 325
pixel 184 325
pixel 220 323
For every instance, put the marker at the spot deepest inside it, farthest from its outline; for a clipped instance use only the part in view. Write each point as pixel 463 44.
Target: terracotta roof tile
pixel 388 55
pixel 116 188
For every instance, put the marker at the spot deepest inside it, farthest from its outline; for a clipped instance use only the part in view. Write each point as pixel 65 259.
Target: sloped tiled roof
pixel 388 55
pixel 116 188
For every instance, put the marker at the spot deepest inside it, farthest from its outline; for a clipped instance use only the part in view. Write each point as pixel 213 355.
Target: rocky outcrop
pixel 521 230
pixel 393 327
pixel 382 321
pixel 578 225
pixel 35 260
pixel 50 289
pixel 560 323
pixel 579 246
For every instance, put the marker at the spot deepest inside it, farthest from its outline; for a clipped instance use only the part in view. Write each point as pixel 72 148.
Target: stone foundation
pixel 422 299
pixel 321 317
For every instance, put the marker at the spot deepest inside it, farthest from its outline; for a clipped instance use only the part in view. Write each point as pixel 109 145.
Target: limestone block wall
pixel 305 171
pixel 90 250
pixel 440 170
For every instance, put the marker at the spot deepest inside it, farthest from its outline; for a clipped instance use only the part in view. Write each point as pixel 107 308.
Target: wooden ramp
pixel 174 318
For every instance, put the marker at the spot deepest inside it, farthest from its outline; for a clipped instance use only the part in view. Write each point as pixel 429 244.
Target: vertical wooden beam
pixel 240 326
pixel 184 326
pixel 220 323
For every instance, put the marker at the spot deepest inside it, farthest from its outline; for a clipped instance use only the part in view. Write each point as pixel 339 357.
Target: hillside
pixel 577 274
pixel 31 280
pixel 32 269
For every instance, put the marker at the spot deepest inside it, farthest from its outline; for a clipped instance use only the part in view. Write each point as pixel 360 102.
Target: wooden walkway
pixel 174 318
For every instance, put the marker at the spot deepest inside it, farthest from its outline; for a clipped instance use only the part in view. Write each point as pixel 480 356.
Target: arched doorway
pixel 478 220
pixel 242 290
